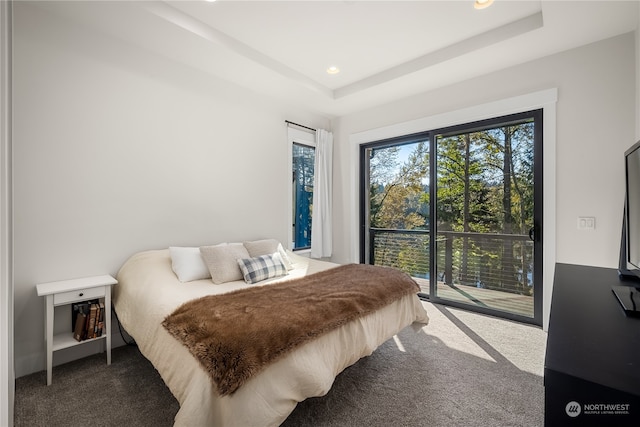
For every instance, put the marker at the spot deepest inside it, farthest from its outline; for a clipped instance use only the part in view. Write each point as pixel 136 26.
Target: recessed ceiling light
pixel 333 70
pixel 481 4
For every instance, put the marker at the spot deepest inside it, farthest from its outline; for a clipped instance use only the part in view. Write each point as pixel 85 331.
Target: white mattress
pixel 148 291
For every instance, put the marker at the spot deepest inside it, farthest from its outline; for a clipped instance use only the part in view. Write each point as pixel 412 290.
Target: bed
pixel 150 289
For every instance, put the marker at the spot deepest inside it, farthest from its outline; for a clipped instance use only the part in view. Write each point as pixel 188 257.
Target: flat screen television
pixel 628 292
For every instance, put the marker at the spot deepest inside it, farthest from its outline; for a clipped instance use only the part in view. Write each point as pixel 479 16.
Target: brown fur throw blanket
pixel 235 335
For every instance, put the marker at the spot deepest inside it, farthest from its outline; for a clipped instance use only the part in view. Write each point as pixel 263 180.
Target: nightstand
pixel 67 292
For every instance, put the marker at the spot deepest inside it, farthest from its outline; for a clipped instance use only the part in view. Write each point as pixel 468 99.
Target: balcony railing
pixel 502 262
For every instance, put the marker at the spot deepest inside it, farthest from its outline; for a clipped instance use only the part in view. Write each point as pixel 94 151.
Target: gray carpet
pixel 464 369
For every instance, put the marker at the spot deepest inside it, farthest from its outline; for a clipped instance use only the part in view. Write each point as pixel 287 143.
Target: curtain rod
pixel 296 124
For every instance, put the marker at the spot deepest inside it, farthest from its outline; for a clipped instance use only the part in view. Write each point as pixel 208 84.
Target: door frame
pixel 7 370
pixel 432 136
pixel 545 99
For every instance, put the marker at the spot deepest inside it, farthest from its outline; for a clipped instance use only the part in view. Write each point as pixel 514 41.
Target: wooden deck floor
pixel 503 301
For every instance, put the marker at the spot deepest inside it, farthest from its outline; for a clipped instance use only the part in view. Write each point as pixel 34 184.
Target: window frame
pixel 299 137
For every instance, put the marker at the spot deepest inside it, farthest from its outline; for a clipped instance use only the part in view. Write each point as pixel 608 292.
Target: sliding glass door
pixel 396 211
pixel 460 210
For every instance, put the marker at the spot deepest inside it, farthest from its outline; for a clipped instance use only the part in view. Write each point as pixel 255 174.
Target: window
pixel 303 162
pixel 302 158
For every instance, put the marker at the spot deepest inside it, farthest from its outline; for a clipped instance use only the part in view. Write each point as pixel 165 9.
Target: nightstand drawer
pixel 78 295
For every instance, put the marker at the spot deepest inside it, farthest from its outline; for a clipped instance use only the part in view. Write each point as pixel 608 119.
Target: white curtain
pixel 321 226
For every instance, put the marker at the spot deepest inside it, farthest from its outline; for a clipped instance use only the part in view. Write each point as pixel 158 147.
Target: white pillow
pixel 188 264
pixel 285 257
pixel 222 261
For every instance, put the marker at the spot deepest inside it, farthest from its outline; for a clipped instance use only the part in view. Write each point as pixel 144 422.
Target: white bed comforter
pixel 148 291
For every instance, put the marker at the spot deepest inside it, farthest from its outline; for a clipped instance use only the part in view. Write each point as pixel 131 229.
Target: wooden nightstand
pixel 67 292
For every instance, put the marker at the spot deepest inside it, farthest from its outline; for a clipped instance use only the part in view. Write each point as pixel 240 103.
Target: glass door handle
pixel 532 233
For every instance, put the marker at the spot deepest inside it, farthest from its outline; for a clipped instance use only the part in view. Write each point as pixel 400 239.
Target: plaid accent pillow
pixel 262 267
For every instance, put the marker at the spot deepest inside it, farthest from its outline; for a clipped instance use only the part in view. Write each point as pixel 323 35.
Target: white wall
pixel 595 123
pixel 118 150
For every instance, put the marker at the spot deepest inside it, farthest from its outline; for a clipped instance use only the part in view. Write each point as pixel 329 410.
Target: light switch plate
pixel 586 223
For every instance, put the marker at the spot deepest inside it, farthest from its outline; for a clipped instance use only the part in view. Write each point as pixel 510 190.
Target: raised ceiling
pixel 386 50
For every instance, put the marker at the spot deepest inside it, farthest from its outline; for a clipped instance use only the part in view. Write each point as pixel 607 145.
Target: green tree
pixel 396 189
pixel 461 188
pixel 484 184
pixel 511 159
pixel 396 202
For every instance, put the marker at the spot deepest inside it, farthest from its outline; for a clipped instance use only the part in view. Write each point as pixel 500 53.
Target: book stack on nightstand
pixel 93 294
pixel 87 319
